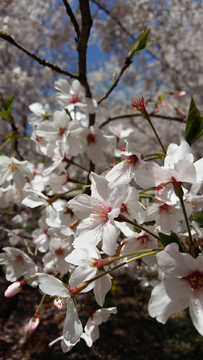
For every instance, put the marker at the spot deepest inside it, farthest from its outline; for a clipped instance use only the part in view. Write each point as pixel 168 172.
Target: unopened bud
pixel 13 289
pixel 34 322
pixel 181 93
pixel 180 113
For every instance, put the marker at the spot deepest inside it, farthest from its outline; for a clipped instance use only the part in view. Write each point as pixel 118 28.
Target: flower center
pixel 13 166
pixel 143 240
pixel 61 131
pixel 39 138
pixel 59 251
pixel 165 208
pixel 196 281
pixel 91 139
pixel 124 208
pixel 19 260
pixel 74 99
pixel 102 211
pixel 132 159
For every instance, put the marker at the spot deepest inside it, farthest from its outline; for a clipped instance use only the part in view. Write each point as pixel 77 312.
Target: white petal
pixel 196 310
pixel 169 297
pixel 52 286
pixel 174 263
pixel 72 327
pixel 102 286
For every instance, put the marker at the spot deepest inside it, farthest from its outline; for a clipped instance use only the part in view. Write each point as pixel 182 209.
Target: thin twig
pixel 73 18
pixel 40 60
pixel 115 82
pixel 128 116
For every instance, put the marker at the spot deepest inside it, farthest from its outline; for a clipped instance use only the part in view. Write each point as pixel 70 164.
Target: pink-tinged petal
pixel 169 297
pixel 90 106
pixel 176 153
pixel 99 188
pixel 196 310
pixel 33 200
pixel 121 173
pixel 72 327
pixel 150 175
pixel 117 197
pixel 34 322
pixel 167 222
pixel 13 289
pixel 110 236
pixel 102 286
pixel 83 274
pixel 185 171
pixel 102 315
pixel 52 286
pixel 62 85
pixel 87 339
pixel 83 257
pixel 81 205
pixel 199 169
pixel 174 263
pixel 19 180
pixel 89 233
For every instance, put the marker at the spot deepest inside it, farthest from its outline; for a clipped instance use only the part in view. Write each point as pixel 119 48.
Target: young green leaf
pixel 141 43
pixel 168 239
pixel 194 124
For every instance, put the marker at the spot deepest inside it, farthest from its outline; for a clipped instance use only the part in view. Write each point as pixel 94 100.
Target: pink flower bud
pixel 156 110
pixel 181 93
pixel 180 113
pixel 34 322
pixel 13 289
pixel 163 103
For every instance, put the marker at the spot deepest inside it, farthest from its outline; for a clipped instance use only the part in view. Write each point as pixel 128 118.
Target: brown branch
pixel 72 17
pixel 115 82
pixel 86 20
pixel 86 24
pixel 128 116
pixel 40 60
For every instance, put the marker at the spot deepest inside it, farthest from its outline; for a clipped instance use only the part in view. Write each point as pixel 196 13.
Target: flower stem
pixel 157 136
pixel 187 221
pixel 122 218
pixel 153 252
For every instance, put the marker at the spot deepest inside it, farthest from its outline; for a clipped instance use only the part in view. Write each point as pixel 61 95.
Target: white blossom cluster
pixel 89 236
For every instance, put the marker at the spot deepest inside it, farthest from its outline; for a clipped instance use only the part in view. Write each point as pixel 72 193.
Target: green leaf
pixel 168 239
pixel 6 104
pixel 9 102
pixel 141 43
pixel 194 124
pixel 6 115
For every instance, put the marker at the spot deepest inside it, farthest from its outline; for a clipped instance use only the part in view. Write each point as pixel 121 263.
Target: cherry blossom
pixel 98 212
pixel 11 168
pixel 17 264
pixel 91 330
pixel 72 328
pixel 125 171
pixel 89 266
pixel 181 288
pixel 71 96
